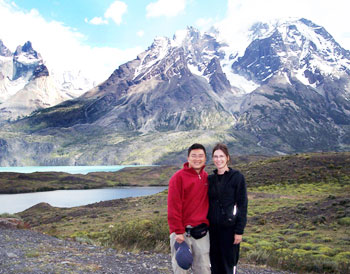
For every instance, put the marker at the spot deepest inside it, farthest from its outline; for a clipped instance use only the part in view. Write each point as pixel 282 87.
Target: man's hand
pixel 238 239
pixel 179 238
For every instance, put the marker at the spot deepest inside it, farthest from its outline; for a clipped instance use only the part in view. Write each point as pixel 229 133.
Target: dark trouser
pixel 223 253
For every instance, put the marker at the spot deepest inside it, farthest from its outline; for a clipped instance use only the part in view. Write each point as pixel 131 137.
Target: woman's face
pixel 220 159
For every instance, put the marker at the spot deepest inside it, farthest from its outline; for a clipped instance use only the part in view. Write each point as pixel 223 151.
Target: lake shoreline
pixel 14 183
pixel 71 198
pixel 85 188
pixel 84 170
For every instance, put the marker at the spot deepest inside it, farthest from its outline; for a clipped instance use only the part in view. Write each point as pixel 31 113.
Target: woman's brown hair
pixel 223 148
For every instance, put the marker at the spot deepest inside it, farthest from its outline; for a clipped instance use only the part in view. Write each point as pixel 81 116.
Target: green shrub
pixel 8 215
pixel 251 239
pixel 319 220
pixel 265 245
pixel 316 259
pixel 343 267
pixel 288 231
pixel 32 254
pixel 321 257
pixel 258 256
pixel 327 251
pixel 344 221
pixel 261 221
pixel 302 261
pixel 322 264
pixel 343 257
pixel 84 240
pixel 292 239
pixel 301 252
pixel 245 247
pixel 140 235
pixel 305 233
pixel 308 246
pixel 323 239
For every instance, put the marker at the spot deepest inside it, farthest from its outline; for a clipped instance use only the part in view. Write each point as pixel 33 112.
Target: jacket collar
pixel 226 172
pixel 191 170
pixel 230 172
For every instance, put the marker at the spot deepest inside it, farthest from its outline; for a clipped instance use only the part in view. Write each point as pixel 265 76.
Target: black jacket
pixel 234 192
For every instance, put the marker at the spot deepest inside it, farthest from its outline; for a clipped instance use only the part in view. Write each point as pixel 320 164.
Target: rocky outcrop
pixel 13 223
pixel 4 51
pixel 218 80
pixel 26 60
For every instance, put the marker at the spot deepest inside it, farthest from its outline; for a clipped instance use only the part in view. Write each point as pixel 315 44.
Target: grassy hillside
pixel 299 215
pixel 11 182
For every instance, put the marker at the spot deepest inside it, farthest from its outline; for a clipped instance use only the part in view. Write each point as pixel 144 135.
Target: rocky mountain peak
pixel 27 49
pixel 258 29
pixel 4 51
pixel 26 60
pixel 156 52
pixel 26 84
pixel 297 47
pixel 193 34
pixel 190 34
pixel 40 71
pixel 160 44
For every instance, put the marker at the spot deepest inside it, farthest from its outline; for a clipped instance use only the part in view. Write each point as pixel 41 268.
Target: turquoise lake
pixel 67 169
pixel 13 203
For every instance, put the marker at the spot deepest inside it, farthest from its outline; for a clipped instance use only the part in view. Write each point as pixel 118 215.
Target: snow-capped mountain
pixel 297 48
pixel 27 85
pixel 283 52
pixel 289 91
pixel 303 97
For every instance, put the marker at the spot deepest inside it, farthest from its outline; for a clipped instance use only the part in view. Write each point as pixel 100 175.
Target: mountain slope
pixel 157 91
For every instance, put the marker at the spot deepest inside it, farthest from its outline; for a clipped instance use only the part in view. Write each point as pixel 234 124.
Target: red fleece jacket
pixel 187 199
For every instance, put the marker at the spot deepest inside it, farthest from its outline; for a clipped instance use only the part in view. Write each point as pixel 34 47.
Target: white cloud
pixel 61 47
pixel 140 33
pixel 331 15
pixel 168 8
pixel 204 23
pixel 96 21
pixel 116 11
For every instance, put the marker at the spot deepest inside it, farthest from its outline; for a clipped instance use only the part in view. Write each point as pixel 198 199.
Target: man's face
pixel 196 159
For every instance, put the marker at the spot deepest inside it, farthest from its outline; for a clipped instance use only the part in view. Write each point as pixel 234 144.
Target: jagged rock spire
pixel 4 51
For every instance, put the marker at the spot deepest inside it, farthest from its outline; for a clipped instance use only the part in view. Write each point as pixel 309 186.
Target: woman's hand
pixel 238 239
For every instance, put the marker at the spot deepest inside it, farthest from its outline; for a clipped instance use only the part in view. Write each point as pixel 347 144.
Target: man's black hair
pixel 196 146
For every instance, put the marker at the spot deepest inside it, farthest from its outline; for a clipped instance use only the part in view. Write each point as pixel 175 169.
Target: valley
pixel 298 215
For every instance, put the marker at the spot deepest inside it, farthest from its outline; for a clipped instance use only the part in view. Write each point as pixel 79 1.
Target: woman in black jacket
pixel 227 212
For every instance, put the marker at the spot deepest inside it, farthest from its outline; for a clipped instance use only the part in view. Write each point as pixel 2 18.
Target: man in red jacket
pixel 188 208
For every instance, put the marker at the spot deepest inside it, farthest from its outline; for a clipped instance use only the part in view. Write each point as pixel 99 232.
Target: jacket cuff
pixel 239 232
pixel 179 231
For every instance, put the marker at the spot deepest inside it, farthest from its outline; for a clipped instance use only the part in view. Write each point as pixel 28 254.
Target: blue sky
pixel 129 23
pixel 99 35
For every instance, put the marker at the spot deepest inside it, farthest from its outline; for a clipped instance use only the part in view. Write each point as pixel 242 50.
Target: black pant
pixel 223 253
